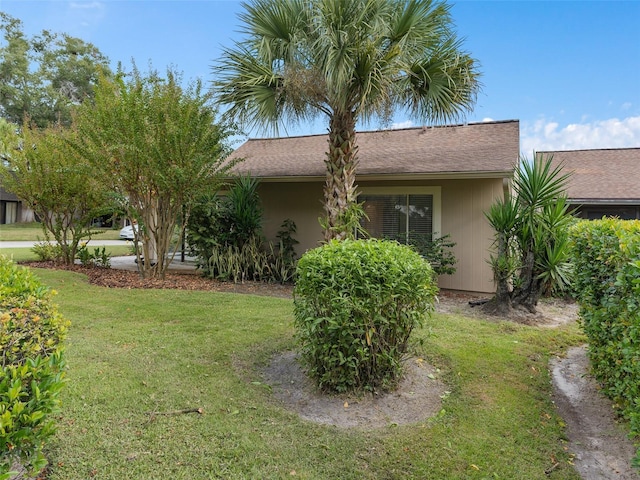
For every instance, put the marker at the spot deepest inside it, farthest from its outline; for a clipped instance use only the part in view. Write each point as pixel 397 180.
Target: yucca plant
pixel 530 248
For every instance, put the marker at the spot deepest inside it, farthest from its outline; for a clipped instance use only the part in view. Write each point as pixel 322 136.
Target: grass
pixel 27 255
pixel 33 232
pixel 132 352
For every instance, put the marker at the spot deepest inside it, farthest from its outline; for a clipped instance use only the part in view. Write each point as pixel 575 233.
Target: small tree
pixel 159 147
pixel 57 184
pixel 531 254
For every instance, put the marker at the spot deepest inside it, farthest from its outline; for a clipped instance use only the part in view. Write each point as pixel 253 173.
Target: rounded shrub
pixel 356 303
pixel 32 367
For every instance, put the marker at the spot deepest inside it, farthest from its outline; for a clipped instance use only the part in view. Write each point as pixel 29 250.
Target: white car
pixel 127 232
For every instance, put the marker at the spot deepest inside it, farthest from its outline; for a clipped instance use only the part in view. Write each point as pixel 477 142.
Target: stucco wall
pixel 463 203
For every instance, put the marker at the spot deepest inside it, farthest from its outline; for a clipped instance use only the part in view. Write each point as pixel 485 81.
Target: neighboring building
pixel 604 182
pixel 12 209
pixel 436 180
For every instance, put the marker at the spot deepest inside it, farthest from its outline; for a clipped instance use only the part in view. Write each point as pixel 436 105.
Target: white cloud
pixel 545 135
pixel 487 119
pixel 86 5
pixel 86 15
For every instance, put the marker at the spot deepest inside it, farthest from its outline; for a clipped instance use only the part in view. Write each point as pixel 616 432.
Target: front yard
pixel 138 359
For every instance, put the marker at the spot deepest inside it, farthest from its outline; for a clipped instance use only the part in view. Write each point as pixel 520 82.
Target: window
pixel 401 213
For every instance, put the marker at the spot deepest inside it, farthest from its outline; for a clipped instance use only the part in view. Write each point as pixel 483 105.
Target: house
pixel 12 210
pixel 603 182
pixel 435 180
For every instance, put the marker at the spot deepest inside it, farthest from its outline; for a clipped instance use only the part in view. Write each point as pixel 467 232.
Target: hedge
pixel 32 367
pixel 606 255
pixel 356 304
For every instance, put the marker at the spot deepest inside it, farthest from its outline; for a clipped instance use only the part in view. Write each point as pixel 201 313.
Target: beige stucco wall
pixel 462 205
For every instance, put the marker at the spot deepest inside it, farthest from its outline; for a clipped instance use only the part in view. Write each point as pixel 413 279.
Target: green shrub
pixel 437 251
pixel 356 303
pixel 47 251
pixel 225 235
pixel 31 332
pixel 606 255
pixel 98 258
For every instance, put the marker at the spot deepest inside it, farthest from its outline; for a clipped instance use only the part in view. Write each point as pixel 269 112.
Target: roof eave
pixel 604 201
pixel 392 177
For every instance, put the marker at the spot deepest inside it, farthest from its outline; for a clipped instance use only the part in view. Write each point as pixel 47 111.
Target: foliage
pixel 606 254
pixel 350 61
pixel 44 76
pixel 56 183
pixel 245 211
pixel 158 146
pixel 356 304
pixel 286 242
pixel 31 332
pixel 437 251
pixel 98 258
pixel 207 227
pixel 225 234
pixel 47 251
pixel 531 242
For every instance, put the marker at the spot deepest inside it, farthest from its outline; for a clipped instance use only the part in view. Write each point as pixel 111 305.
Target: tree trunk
pixel 527 293
pixel 340 187
pixel 503 293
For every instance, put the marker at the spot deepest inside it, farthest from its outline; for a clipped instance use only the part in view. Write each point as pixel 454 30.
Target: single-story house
pixel 434 180
pixel 12 210
pixel 603 182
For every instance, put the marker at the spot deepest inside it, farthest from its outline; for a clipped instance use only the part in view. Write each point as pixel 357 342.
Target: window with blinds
pixel 399 217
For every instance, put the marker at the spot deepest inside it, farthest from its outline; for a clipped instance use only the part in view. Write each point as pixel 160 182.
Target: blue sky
pixel 568 70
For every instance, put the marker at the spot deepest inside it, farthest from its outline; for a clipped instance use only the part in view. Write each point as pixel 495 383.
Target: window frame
pixel 435 192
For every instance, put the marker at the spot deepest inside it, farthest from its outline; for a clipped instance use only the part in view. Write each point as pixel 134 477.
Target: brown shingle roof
pixel 488 147
pixel 604 174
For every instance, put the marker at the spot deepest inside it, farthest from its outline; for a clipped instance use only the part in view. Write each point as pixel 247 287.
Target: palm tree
pixel 351 60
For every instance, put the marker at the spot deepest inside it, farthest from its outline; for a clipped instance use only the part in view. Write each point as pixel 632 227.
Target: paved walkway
pixel 129 263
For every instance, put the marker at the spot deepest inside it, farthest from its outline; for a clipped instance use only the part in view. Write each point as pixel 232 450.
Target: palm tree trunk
pixel 340 187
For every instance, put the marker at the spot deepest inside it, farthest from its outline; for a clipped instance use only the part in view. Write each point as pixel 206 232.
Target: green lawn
pixel 132 352
pixel 27 255
pixel 33 231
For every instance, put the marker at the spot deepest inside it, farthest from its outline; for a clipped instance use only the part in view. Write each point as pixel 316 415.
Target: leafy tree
pixel 531 244
pixel 56 183
pixel 44 76
pixel 349 60
pixel 158 146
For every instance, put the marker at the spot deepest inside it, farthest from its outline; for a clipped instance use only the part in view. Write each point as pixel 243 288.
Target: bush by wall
pixel 356 304
pixel 606 255
pixel 225 235
pixel 31 333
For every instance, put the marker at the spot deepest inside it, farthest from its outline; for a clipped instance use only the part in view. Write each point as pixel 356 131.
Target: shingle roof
pixel 604 174
pixel 488 147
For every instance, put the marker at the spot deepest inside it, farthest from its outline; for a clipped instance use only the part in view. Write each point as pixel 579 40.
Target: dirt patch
pixel 600 445
pixel 551 312
pixel 418 396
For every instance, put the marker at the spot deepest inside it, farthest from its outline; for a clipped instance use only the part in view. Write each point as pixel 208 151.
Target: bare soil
pixel 601 448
